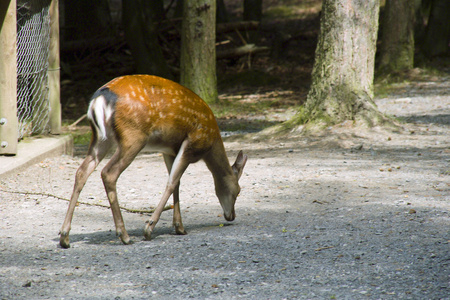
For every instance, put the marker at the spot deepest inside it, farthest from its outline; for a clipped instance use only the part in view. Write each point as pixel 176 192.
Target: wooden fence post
pixel 8 78
pixel 54 70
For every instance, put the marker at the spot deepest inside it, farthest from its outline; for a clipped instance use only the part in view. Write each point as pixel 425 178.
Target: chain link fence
pixel 33 37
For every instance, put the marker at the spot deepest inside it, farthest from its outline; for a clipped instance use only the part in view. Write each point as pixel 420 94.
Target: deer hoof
pixel 125 239
pixel 147 231
pixel 147 235
pixel 180 230
pixel 64 241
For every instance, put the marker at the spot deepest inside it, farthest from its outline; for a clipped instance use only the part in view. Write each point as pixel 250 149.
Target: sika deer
pixel 138 110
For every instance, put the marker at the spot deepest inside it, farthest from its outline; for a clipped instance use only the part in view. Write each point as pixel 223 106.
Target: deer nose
pixel 230 217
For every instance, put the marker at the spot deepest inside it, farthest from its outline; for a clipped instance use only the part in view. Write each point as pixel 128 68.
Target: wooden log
pixel 241 51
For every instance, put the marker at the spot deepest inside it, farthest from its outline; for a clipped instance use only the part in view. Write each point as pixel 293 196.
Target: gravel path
pixel 350 214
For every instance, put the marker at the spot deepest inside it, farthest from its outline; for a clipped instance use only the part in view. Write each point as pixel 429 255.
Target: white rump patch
pixel 101 112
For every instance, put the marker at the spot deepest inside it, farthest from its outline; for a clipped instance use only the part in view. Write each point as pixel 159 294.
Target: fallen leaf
pixel 323 248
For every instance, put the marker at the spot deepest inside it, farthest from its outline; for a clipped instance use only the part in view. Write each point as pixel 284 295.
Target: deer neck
pixel 217 162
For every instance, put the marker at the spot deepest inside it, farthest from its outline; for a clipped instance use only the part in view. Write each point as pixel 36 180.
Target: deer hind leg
pixel 177 223
pixel 121 159
pixel 178 167
pixel 97 151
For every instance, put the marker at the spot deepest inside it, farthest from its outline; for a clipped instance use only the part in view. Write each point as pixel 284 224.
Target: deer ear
pixel 239 164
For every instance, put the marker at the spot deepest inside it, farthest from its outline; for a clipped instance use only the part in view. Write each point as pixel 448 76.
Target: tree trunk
pixel 140 33
pixel 221 11
pixel 198 50
pixel 397 47
pixel 343 72
pixel 437 35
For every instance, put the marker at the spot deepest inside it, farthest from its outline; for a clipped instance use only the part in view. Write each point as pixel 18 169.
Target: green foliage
pixel 317 120
pixel 81 138
pixel 249 112
pixel 234 107
pixel 302 117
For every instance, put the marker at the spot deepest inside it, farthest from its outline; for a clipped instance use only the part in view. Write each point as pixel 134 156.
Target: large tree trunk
pixel 397 47
pixel 198 50
pixel 140 32
pixel 221 11
pixel 343 72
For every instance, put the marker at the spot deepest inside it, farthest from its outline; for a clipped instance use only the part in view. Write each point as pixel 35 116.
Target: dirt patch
pixel 350 213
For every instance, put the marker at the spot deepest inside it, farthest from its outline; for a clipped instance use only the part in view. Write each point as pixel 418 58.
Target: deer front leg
pixel 177 223
pixel 150 224
pixel 178 167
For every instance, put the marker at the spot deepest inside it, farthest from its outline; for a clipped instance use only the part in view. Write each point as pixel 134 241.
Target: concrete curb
pixel 33 150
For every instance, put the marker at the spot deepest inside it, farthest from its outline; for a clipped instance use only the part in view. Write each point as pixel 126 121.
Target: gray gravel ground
pixel 349 214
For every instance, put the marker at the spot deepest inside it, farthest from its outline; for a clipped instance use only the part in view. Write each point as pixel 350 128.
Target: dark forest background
pixel 277 40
